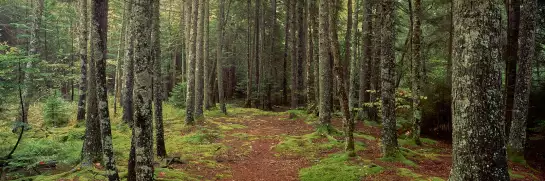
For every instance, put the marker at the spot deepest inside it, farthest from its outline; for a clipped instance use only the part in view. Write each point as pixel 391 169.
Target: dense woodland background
pixel 94 72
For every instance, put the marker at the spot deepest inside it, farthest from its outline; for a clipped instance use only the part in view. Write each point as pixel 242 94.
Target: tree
pixel 190 98
pixel 517 136
pixel 365 65
pixel 128 67
pixel 348 55
pixel 82 46
pixel 416 71
pixel 219 57
pixel 478 142
pixel 209 76
pixel 158 83
pixel 28 92
pixel 93 142
pixel 511 58
pixel 389 134
pixel 199 72
pixel 249 61
pixel 143 121
pixel 99 29
pixel 325 83
pixel 348 123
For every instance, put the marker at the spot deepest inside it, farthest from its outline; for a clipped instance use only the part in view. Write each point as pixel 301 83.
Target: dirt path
pixel 260 162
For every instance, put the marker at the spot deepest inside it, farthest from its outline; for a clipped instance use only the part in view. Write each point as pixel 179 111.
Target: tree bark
pixel 517 137
pixel 511 59
pixel 82 47
pixel 157 82
pixel 190 99
pixel 219 57
pixel 99 31
pixel 208 69
pixel 143 118
pixel 416 69
pixel 326 81
pixel 249 61
pixel 128 68
pixel 478 141
pixel 199 72
pixel 365 65
pixel 389 134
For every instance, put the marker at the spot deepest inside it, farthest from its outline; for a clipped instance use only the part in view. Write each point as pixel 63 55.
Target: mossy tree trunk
pixel 199 66
pixel 325 83
pixel 219 57
pixel 209 77
pixel 157 83
pixel 190 98
pixel 82 48
pixel 478 141
pixel 99 31
pixel 517 137
pixel 416 69
pixel 365 65
pixel 128 68
pixel 143 118
pixel 389 134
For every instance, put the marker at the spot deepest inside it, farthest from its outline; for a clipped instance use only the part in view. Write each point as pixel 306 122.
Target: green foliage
pixel 178 95
pixel 31 152
pixel 339 167
pixel 55 111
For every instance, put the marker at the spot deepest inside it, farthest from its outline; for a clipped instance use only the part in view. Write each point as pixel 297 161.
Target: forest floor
pixel 253 145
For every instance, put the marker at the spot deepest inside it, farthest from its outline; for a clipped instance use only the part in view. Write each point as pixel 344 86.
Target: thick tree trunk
pixel 416 69
pixel 294 25
pixel 326 81
pixel 143 118
pixel 511 59
pixel 157 82
pixel 517 137
pixel 301 50
pixel 82 48
pixel 199 72
pixel 190 99
pixel 389 134
pixel 478 141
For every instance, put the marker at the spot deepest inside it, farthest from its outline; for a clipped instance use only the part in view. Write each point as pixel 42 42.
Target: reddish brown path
pixel 260 162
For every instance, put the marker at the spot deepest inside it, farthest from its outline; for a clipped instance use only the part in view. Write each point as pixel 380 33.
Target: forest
pixel 275 90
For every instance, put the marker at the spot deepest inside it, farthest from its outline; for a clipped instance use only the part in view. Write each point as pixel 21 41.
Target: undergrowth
pixel 339 167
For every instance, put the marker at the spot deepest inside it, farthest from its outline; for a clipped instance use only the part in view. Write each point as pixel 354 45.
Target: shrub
pixel 55 111
pixel 178 94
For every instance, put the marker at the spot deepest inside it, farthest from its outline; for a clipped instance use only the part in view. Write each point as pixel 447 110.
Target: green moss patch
pixel 307 145
pixel 339 167
pixel 399 158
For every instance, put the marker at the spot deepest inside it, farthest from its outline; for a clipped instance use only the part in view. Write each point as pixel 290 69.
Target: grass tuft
pixel 338 167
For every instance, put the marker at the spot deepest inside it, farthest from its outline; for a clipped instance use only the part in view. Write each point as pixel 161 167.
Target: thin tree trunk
pixel 416 71
pixel 158 83
pixel 190 99
pixel 82 48
pixel 199 72
pixel 249 62
pixel 348 54
pixel 128 67
pixel 208 70
pixel 294 21
pixel 286 52
pixel 99 29
pixel 365 66
pixel 118 70
pixel 511 59
pixel 219 49
pixel 517 137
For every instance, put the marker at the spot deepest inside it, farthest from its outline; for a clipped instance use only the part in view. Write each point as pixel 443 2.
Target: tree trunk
pixel 389 134
pixel 157 83
pixel 199 72
pixel 257 49
pixel 374 71
pixel 365 65
pixel 143 122
pixel 416 71
pixel 517 137
pixel 309 69
pixel 326 81
pixel 190 99
pixel 118 70
pixel 92 144
pixel 478 141
pixel 348 123
pixel 208 70
pixel 249 61
pixel 511 59
pixel 82 41
pixel 219 57
pixel 347 56
pixel 128 68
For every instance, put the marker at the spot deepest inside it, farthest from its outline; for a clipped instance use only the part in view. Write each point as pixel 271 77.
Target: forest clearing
pixel 273 90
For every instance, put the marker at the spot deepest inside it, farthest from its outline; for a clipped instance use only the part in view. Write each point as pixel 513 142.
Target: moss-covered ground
pixel 245 144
